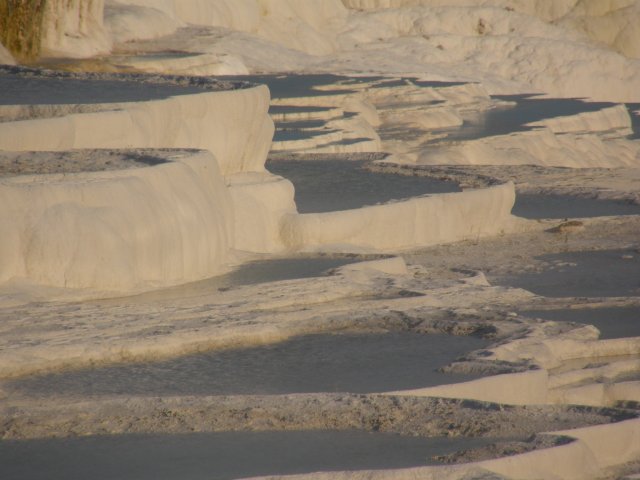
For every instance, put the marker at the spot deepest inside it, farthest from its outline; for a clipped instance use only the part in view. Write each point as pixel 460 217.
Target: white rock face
pixel 251 210
pixel 608 119
pixel 497 46
pixel 74 28
pixel 233 125
pixel 523 388
pixel 159 225
pixel 183 220
pixel 300 25
pixel 567 48
pixel 126 22
pixel 540 147
pixel 118 230
pixel 596 139
pixel 5 57
pixel 187 64
pixel 260 202
pixel 421 221
pixel 612 23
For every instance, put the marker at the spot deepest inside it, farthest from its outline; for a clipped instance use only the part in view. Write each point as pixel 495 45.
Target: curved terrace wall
pixel 232 124
pixel 420 221
pixel 117 230
pixel 141 228
pixel 178 221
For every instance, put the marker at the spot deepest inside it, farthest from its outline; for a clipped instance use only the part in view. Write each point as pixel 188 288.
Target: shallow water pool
pixel 287 135
pixel 253 273
pixel 525 109
pixel 43 90
pixel 299 85
pixel 634 113
pixel 358 363
pixel 538 206
pixel 599 273
pixel 333 185
pixel 222 455
pixel 613 322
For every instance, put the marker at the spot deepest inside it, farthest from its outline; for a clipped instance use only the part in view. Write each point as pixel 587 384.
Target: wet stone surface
pixel 24 89
pixel 256 272
pixel 311 363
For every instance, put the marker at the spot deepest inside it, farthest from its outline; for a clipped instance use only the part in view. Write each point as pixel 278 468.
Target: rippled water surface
pixel 253 273
pixel 217 456
pixel 21 90
pixel 514 118
pixel 599 273
pixel 616 322
pixel 537 206
pixel 311 363
pixel 331 185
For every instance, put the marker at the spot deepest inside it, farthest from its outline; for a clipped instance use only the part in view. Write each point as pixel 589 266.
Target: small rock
pixel 567 227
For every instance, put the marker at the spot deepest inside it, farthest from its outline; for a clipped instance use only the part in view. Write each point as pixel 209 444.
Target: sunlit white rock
pixel 233 125
pixel 74 28
pixel 427 220
pixel 118 230
pixel 5 57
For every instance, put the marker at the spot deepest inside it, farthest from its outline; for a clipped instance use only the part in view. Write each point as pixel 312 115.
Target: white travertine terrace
pixel 186 64
pixel 424 221
pixel 160 225
pixel 585 140
pixel 538 147
pixel 260 202
pixel 610 119
pixel 233 125
pixel 523 388
pixel 117 230
pixel 509 45
pixel 145 242
pixel 184 218
pixel 595 449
